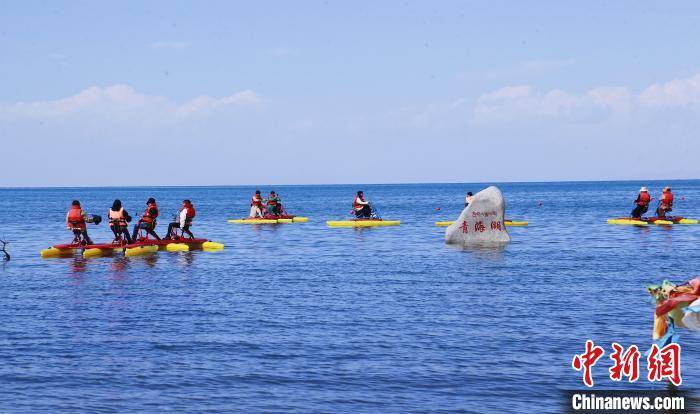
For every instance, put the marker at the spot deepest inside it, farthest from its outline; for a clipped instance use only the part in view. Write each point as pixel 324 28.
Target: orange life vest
pixel 189 215
pixel 356 205
pixel 643 199
pixel 147 216
pixel 667 199
pixel 75 217
pixel 117 218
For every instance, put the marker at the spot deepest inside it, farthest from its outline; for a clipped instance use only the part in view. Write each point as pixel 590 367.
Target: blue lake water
pixel 304 318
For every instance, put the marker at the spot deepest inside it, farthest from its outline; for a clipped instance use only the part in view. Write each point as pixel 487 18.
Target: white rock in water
pixel 481 222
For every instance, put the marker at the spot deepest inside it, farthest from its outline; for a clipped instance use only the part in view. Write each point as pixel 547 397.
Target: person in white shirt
pixel 256 205
pixel 184 220
pixel 361 207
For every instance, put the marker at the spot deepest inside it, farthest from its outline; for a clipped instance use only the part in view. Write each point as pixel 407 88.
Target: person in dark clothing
pixel 76 220
pixel 274 204
pixel 361 207
pixel 118 219
pixel 641 203
pixel 148 221
pixel 665 204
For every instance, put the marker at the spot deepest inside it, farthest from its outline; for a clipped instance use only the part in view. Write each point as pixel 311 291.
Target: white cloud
pixel 524 101
pixel 204 103
pixel 678 92
pixel 120 99
pixel 617 98
pixel 174 45
pixel 512 102
pixel 516 102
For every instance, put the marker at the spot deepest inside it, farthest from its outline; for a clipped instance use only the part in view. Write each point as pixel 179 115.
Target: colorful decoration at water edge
pixel 677 306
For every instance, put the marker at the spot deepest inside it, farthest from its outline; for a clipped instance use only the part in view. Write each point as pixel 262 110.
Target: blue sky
pixel 186 93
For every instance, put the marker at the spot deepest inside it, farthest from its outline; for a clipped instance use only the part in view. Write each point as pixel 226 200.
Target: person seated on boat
pixel 666 203
pixel 148 221
pixel 642 203
pixel 274 204
pixel 183 221
pixel 118 219
pixel 76 220
pixel 361 207
pixel 468 199
pixel 256 205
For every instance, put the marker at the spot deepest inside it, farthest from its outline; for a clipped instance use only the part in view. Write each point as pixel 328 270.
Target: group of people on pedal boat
pixel 270 207
pixel 644 199
pixel 77 220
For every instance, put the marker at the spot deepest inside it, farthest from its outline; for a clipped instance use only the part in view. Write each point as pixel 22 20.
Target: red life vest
pixel 147 216
pixel 190 212
pixel 356 205
pixel 75 217
pixel 667 199
pixel 117 218
pixel 643 199
pixel 271 202
pixel 256 201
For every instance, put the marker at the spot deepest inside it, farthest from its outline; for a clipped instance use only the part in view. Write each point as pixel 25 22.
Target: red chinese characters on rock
pixel 587 360
pixel 665 363
pixel 479 226
pixel 496 225
pixel 464 227
pixel 626 363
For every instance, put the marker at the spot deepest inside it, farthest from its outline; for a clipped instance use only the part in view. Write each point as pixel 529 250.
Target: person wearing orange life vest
pixel 666 203
pixel 274 204
pixel 184 220
pixel 256 205
pixel 148 221
pixel 76 220
pixel 641 203
pixel 361 207
pixel 118 219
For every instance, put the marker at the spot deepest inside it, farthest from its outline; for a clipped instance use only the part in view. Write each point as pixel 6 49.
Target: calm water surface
pixel 303 318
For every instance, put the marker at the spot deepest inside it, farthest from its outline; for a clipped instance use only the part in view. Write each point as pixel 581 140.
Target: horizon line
pixel 339 184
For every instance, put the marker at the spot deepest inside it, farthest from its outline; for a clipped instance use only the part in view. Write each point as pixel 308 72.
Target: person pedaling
pixel 666 203
pixel 118 219
pixel 148 221
pixel 362 208
pixel 183 221
pixel 77 220
pixel 642 203
pixel 274 204
pixel 256 205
